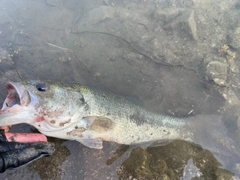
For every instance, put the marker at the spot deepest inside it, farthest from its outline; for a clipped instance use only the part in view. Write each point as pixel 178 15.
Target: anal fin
pixel 95 143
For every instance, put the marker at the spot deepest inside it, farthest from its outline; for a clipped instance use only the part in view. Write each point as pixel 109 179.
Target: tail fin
pixel 211 133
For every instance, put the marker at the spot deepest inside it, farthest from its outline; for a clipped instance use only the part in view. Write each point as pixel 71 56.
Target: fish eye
pixel 41 87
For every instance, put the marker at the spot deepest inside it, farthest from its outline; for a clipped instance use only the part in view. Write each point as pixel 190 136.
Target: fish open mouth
pixel 16 95
pixel 17 98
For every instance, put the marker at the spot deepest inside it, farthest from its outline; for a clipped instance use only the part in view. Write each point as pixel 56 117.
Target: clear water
pixel 179 58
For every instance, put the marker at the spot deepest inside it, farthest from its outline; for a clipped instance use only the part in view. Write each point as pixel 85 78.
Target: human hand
pixel 15 154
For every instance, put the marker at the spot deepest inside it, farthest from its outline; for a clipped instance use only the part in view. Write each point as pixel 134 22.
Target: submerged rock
pixel 217 72
pixel 167 15
pixel 222 174
pixel 178 20
pixel 100 14
pixel 137 165
pixel 188 23
pixel 187 159
pixel 235 39
pixel 230 96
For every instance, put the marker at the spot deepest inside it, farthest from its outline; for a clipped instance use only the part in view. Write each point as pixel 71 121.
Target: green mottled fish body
pixel 90 116
pixel 119 120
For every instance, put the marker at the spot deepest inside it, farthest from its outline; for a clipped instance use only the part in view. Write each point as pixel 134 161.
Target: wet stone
pixel 230 96
pixel 235 39
pixel 188 23
pixel 167 15
pixel 217 72
pixel 181 21
pixel 137 164
pixel 223 174
pixel 212 57
pixel 182 156
pixel 100 14
pixel 141 166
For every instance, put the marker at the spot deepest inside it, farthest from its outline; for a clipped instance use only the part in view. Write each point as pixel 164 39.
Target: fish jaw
pixel 18 106
pixel 54 110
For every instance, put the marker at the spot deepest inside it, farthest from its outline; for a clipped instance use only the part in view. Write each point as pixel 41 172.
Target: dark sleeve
pixel 24 155
pixel 13 154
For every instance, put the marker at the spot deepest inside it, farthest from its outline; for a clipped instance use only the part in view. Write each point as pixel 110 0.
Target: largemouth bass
pixel 75 112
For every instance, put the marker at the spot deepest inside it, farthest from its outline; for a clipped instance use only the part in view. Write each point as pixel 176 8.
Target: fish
pixel 91 116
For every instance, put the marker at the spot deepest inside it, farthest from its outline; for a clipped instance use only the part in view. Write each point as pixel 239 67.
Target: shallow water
pixel 179 58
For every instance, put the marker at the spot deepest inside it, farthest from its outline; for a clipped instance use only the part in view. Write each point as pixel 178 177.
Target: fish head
pixel 46 105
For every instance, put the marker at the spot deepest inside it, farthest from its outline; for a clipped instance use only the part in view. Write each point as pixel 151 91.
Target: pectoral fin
pixel 95 143
pixel 96 129
pixel 99 123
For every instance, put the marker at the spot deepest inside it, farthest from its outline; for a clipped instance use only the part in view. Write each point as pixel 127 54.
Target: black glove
pixel 14 154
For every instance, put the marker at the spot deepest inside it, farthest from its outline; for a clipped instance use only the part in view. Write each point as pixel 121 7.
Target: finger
pixel 25 137
pixel 26 155
pixel 5 128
